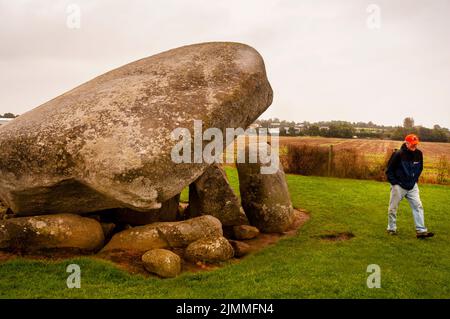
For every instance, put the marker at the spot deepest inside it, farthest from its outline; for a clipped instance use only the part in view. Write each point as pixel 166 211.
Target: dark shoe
pixel 424 234
pixel 392 232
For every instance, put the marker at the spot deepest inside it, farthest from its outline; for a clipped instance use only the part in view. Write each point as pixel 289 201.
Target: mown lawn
pixel 304 266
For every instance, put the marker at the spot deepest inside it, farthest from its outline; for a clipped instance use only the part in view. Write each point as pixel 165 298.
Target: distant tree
pixel 438 134
pixel 9 116
pixel 345 130
pixel 291 131
pixel 425 134
pixel 408 123
pixel 398 133
pixel 313 130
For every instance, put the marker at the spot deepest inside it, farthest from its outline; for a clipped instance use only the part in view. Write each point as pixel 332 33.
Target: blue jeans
pixel 397 194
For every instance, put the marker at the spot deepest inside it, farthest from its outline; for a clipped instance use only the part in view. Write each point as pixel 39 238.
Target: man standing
pixel 403 172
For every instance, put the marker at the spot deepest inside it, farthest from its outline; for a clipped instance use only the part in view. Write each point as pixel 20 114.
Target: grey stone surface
pixel 165 234
pixel 59 231
pixel 211 250
pixel 243 232
pixel 265 197
pixel 162 262
pixel 107 143
pixel 211 194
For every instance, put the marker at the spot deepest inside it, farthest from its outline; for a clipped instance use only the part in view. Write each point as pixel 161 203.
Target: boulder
pixel 240 248
pixel 167 213
pixel 59 231
pixel 212 250
pixel 243 232
pixel 165 234
pixel 108 142
pixel 162 262
pixel 211 194
pixel 265 197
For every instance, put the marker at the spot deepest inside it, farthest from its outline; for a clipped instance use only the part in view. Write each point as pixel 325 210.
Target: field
pixel 375 150
pixel 430 150
pixel 303 266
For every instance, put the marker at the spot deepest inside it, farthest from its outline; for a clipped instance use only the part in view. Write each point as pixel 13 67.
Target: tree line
pixel 8 116
pixel 345 129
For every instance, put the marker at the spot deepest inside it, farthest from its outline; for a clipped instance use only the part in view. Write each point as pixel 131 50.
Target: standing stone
pixel 211 250
pixel 265 197
pixel 167 213
pixel 60 231
pixel 108 143
pixel 211 194
pixel 162 262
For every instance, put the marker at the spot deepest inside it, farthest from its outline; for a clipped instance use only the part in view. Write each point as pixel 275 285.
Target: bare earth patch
pixel 264 240
pixel 337 236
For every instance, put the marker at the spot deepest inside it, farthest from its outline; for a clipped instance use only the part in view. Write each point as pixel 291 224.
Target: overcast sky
pixel 326 60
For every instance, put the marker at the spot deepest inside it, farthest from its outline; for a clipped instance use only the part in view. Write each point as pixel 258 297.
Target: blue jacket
pixel 404 167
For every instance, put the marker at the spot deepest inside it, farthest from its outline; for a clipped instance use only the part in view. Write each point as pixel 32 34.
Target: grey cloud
pixel 322 60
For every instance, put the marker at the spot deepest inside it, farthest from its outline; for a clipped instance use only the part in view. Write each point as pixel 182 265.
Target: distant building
pixel 299 128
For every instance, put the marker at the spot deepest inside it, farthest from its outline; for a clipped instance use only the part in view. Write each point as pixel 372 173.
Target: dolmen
pixel 92 170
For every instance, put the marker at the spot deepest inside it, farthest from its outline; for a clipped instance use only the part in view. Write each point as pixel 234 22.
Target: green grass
pixel 303 266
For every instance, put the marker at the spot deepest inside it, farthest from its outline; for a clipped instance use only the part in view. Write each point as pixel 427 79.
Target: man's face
pixel 411 147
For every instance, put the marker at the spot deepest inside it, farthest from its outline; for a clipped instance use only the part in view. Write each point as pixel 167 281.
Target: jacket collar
pixel 404 148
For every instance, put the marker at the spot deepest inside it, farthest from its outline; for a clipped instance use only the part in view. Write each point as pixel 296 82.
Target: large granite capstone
pixel 107 143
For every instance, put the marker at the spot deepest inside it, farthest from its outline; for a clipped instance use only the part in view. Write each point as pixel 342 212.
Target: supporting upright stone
pixel 211 194
pixel 265 197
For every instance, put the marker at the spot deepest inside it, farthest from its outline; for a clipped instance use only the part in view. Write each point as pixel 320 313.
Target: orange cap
pixel 412 139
